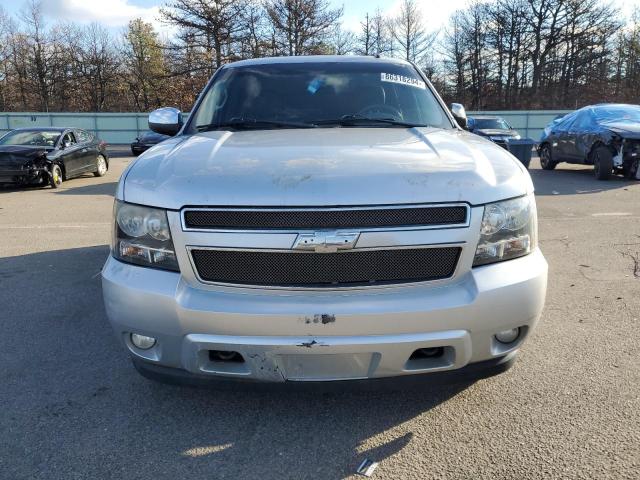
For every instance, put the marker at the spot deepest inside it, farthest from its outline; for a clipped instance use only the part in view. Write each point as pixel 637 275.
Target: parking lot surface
pixel 73 407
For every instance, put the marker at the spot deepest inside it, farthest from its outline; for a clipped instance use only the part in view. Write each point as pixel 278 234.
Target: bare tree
pixel 301 27
pixel 374 37
pixel 100 62
pixel 493 54
pixel 342 42
pixel 214 27
pixel 38 64
pixel 408 31
pixel 255 27
pixel 5 35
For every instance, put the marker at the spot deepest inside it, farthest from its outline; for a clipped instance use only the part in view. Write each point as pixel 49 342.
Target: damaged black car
pixel 49 155
pixel 606 136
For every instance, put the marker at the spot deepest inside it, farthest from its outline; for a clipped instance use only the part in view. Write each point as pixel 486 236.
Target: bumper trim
pixel 468 374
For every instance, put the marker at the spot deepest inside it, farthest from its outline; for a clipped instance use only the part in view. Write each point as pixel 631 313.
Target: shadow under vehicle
pixel 606 136
pixel 146 141
pixel 49 155
pixel 494 128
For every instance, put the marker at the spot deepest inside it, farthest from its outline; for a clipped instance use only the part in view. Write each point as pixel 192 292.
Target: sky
pixel 115 14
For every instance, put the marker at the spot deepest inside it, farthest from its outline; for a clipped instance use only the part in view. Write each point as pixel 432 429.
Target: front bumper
pixel 140 147
pixel 22 176
pixel 323 335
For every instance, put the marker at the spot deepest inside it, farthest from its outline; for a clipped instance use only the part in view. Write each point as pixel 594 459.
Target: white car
pixel 318 219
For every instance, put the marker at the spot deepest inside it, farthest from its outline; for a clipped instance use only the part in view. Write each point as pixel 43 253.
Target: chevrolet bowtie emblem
pixel 325 242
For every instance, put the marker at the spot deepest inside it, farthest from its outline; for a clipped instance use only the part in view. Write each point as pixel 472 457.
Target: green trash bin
pixel 521 149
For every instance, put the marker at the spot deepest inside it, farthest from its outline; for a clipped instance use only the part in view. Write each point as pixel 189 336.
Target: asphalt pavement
pixel 73 407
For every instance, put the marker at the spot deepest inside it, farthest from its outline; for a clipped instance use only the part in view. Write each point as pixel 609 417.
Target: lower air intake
pixel 310 269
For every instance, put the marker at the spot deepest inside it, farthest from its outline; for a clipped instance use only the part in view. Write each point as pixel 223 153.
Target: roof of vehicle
pixel 43 129
pixel 614 105
pixel 606 105
pixel 317 59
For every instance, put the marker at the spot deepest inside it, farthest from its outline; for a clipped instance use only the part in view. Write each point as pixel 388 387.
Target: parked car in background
pixel 606 136
pixel 322 218
pixel 49 155
pixel 146 141
pixel 494 128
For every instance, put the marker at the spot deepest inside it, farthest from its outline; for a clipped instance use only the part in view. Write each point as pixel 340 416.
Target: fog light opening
pixel 142 341
pixel 508 336
pixel 432 352
pixel 225 356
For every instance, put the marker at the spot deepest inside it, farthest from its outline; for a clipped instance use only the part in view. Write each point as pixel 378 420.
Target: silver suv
pixel 322 218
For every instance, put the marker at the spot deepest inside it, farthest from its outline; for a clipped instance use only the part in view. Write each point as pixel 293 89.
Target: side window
pixel 69 138
pixel 83 137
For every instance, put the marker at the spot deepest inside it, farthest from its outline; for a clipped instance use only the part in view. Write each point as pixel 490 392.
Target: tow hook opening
pixel 433 352
pixel 225 356
pixel 428 358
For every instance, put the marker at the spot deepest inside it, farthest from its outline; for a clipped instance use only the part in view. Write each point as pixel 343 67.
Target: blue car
pixel 606 136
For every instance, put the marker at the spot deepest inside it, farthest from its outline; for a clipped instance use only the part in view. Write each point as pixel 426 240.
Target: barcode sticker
pixel 401 79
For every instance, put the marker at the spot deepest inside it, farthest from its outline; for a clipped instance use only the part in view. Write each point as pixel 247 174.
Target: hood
pixel 625 128
pixel 323 167
pixel 15 156
pixel 495 132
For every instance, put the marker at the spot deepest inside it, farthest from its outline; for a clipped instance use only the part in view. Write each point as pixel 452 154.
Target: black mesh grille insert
pixel 310 219
pixel 308 269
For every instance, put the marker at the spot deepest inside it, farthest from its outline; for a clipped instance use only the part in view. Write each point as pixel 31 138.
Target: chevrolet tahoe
pixel 322 219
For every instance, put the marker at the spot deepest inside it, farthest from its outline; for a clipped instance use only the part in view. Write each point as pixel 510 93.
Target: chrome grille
pixel 309 269
pixel 301 219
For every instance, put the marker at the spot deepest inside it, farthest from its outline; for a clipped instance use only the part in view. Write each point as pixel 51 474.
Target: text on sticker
pixel 394 78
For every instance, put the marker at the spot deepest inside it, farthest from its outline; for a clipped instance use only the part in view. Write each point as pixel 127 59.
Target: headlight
pixel 142 236
pixel 508 230
pixel 516 136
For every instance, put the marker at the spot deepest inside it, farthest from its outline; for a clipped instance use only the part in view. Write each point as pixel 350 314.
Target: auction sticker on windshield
pixel 394 78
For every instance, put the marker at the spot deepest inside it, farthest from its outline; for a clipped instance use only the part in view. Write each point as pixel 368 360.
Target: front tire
pixel 55 177
pixel 101 166
pixel 602 163
pixel 546 160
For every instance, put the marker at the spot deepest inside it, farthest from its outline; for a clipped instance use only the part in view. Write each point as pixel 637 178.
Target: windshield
pixel 298 95
pixel 31 138
pixel 491 124
pixel 617 113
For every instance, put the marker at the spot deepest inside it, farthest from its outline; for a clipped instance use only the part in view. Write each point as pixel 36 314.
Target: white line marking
pixel 40 227
pixel 611 214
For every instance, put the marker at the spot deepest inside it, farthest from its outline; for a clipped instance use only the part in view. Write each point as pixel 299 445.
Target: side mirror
pixel 66 144
pixel 167 120
pixel 458 112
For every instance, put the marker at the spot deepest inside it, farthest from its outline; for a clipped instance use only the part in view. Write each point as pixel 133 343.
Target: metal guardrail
pixel 122 128
pixel 111 127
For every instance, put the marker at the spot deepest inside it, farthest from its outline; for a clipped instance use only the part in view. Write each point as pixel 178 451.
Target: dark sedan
pixel 606 136
pixel 49 155
pixel 146 141
pixel 494 128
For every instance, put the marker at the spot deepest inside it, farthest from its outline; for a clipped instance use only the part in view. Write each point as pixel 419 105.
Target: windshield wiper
pixel 252 123
pixel 354 120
